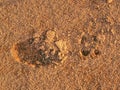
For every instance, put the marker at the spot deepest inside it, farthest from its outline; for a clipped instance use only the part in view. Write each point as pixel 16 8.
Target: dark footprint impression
pixel 36 51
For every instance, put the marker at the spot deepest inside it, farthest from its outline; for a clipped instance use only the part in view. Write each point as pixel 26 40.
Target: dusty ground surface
pixel 83 35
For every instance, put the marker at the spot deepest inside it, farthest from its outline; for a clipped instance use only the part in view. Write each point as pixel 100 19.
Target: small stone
pixel 50 35
pixel 109 1
pixel 113 31
pixel 62 45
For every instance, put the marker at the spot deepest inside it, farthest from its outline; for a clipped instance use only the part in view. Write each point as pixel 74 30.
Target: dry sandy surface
pixel 59 44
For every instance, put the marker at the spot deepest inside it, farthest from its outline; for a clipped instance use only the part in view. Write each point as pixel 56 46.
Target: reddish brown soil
pixel 81 46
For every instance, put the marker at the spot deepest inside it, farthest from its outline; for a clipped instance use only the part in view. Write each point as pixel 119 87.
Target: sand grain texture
pixel 86 33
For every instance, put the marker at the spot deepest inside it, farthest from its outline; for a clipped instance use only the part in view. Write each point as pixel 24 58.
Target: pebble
pixel 109 1
pixel 62 45
pixel 50 35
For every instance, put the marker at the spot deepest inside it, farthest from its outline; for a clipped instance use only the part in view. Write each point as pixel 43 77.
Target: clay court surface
pixel 59 44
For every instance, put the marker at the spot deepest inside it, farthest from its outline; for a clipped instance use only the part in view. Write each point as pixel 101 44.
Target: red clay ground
pixel 85 37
